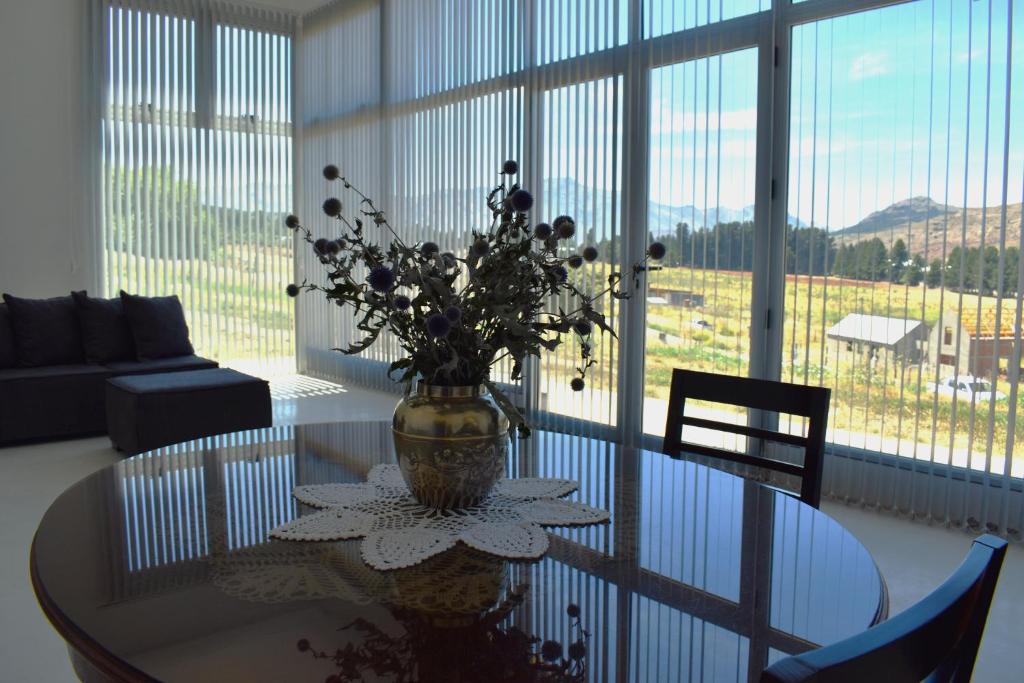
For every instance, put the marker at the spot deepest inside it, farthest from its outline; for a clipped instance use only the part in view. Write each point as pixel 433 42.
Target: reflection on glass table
pixel 161 567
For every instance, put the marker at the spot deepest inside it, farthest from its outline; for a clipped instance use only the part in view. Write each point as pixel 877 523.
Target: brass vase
pixel 452 444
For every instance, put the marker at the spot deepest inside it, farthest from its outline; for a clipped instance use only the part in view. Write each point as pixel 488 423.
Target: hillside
pixel 922 223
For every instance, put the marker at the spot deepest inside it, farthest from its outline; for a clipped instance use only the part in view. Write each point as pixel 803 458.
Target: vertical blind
pixel 194 165
pixel 903 282
pixel 838 186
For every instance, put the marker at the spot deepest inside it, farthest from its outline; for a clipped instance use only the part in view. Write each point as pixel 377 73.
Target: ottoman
pixel 149 411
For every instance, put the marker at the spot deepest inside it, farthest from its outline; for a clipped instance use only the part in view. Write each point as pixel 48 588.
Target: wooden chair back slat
pixel 780 397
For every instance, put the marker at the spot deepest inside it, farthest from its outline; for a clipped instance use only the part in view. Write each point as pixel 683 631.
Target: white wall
pixel 42 249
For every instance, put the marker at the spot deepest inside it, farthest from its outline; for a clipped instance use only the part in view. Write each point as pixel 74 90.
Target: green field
pixel 891 402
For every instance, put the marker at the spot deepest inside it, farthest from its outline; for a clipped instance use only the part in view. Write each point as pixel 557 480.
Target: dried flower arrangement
pixel 457 315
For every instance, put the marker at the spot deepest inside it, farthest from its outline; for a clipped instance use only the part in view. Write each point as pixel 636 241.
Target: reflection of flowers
pixel 486 650
pixel 398 531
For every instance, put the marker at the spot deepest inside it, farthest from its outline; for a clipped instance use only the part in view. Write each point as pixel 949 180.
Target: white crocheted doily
pixel 398 532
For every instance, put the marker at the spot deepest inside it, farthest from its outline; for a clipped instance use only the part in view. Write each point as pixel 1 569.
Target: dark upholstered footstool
pixel 149 411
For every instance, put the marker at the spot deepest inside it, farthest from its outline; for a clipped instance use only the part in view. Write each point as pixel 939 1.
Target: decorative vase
pixel 452 443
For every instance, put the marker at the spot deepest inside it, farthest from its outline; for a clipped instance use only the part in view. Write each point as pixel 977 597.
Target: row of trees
pixel 812 251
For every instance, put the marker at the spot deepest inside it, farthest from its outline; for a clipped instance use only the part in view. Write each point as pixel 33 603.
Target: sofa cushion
pixel 158 326
pixel 52 402
pixel 105 333
pixel 8 350
pixel 174 364
pixel 149 411
pixel 46 331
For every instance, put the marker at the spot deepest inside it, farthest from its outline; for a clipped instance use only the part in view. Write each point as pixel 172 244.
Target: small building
pixel 677 297
pixel 967 343
pixel 879 339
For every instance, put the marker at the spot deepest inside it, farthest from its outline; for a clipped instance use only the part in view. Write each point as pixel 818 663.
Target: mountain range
pixel 933 229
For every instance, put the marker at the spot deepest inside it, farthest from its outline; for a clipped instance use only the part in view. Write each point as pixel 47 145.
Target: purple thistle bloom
pixel 542 231
pixel 292 290
pixel 566 229
pixel 292 221
pixel 577 384
pixel 521 200
pixel 589 254
pixel 562 219
pixel 320 246
pixel 453 313
pixel 402 302
pixel 656 251
pixel 429 248
pixel 561 273
pixel 449 260
pixel 332 207
pixel 381 278
pixel 510 167
pixel 333 247
pixel 481 247
pixel 331 172
pixel 575 261
pixel 551 650
pixel 438 326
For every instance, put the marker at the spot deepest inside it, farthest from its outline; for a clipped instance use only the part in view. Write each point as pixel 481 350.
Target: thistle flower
pixel 521 200
pixel 332 207
pixel 583 327
pixel 589 254
pixel 331 172
pixel 291 221
pixel 481 247
pixel 542 231
pixel 453 313
pixel 565 229
pixel 342 243
pixel 573 610
pixel 429 248
pixel 402 302
pixel 449 260
pixel 333 247
pixel 656 251
pixel 320 246
pixel 303 645
pixel 381 278
pixel 562 219
pixel 551 650
pixel 575 261
pixel 577 650
pixel 561 273
pixel 577 384
pixel 292 290
pixel 510 167
pixel 438 326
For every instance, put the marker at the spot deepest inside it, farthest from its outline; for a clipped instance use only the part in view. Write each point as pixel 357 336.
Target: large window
pixel 838 186
pixel 195 167
pixel 903 285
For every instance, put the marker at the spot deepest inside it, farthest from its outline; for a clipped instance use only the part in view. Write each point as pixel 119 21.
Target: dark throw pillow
pixel 105 333
pixel 45 331
pixel 158 326
pixel 8 349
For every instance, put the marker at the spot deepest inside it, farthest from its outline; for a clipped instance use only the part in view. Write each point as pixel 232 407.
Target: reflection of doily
pixel 399 532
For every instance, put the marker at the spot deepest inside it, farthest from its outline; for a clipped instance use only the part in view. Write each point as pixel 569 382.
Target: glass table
pixel 160 567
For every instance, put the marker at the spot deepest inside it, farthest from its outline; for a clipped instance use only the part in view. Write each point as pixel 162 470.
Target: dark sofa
pixel 56 356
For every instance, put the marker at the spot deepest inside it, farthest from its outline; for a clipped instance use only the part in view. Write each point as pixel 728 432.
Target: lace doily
pixel 398 532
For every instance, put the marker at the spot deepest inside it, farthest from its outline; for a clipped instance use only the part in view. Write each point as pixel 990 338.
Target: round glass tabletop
pixel 161 567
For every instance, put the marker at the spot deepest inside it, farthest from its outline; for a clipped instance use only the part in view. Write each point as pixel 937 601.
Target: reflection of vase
pixel 455 588
pixel 451 442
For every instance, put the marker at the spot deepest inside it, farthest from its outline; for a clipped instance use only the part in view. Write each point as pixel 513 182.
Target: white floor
pixel 914 558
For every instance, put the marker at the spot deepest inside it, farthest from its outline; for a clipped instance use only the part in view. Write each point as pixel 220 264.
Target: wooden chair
pixel 795 399
pixel 936 640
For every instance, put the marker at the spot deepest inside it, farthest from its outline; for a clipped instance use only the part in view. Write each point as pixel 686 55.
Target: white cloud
pixel 666 121
pixel 869 65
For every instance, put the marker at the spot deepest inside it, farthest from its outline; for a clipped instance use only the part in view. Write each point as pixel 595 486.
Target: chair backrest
pixel 764 395
pixel 937 639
